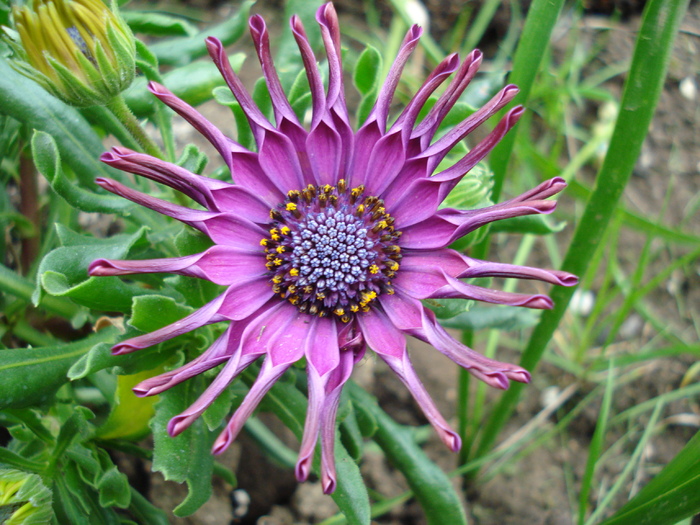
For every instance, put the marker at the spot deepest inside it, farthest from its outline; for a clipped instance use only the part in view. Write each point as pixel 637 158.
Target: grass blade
pixel 641 94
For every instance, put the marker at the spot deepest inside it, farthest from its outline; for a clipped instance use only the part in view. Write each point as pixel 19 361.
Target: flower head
pixel 78 50
pixel 330 238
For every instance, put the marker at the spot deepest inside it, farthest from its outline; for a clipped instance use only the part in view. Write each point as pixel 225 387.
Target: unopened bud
pixel 79 50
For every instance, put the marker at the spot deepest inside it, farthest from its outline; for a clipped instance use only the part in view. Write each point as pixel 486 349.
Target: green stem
pixel 16 285
pixel 120 110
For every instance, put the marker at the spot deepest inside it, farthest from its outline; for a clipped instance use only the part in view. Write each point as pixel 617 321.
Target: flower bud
pixel 78 50
pixel 23 498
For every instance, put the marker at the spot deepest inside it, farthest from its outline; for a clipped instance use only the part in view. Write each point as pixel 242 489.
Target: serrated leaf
pixel 151 312
pixel 112 485
pixel 187 457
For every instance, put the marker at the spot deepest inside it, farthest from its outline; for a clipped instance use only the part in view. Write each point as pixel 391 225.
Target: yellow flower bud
pixel 79 50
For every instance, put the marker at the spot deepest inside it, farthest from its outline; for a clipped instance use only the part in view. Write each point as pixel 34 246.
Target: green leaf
pixel 501 317
pixel 30 376
pixel 78 144
pixel 48 161
pixel 187 457
pixel 158 24
pixel 130 415
pixel 674 494
pixel 112 485
pixel 183 51
pixel 63 272
pixel 533 224
pixel 431 486
pixel 151 312
pixel 368 71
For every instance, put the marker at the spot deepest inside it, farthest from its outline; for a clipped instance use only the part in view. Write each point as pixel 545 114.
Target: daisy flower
pixel 328 239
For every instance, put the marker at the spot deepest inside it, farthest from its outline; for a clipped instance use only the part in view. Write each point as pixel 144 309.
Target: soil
pixel 542 487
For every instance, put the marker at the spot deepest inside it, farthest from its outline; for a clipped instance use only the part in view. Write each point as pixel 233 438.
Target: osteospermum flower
pixel 329 239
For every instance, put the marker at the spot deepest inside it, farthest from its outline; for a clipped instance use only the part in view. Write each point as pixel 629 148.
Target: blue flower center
pixel 331 251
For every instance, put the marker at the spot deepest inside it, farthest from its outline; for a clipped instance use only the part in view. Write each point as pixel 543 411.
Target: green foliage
pixel 66 401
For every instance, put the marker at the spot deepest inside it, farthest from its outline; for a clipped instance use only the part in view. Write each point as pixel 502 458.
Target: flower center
pixel 331 250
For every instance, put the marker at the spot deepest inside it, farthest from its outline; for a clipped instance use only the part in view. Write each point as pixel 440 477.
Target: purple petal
pixel 269 374
pixel 491 269
pixel 261 39
pixel 456 264
pixel 407 374
pixel 411 317
pixel 542 191
pixel 327 19
pixel 494 373
pixel 322 353
pixel 194 186
pixel 381 335
pixel 257 120
pixel 311 425
pixel 259 333
pixel 245 297
pixel 425 131
pixel 407 119
pixel 221 350
pixel 213 194
pixel 318 95
pixel 422 198
pixel 278 159
pixel 219 264
pixel 384 163
pixel 448 225
pixel 451 262
pixel 235 231
pixel 238 362
pixel 247 172
pixel 380 112
pixel 196 119
pixel 333 388
pixel 441 147
pixel 194 218
pixel 365 140
pixel 324 149
pixel 207 314
pixel 436 284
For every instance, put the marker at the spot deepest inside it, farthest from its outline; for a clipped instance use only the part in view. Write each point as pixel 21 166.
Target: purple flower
pixel 329 239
